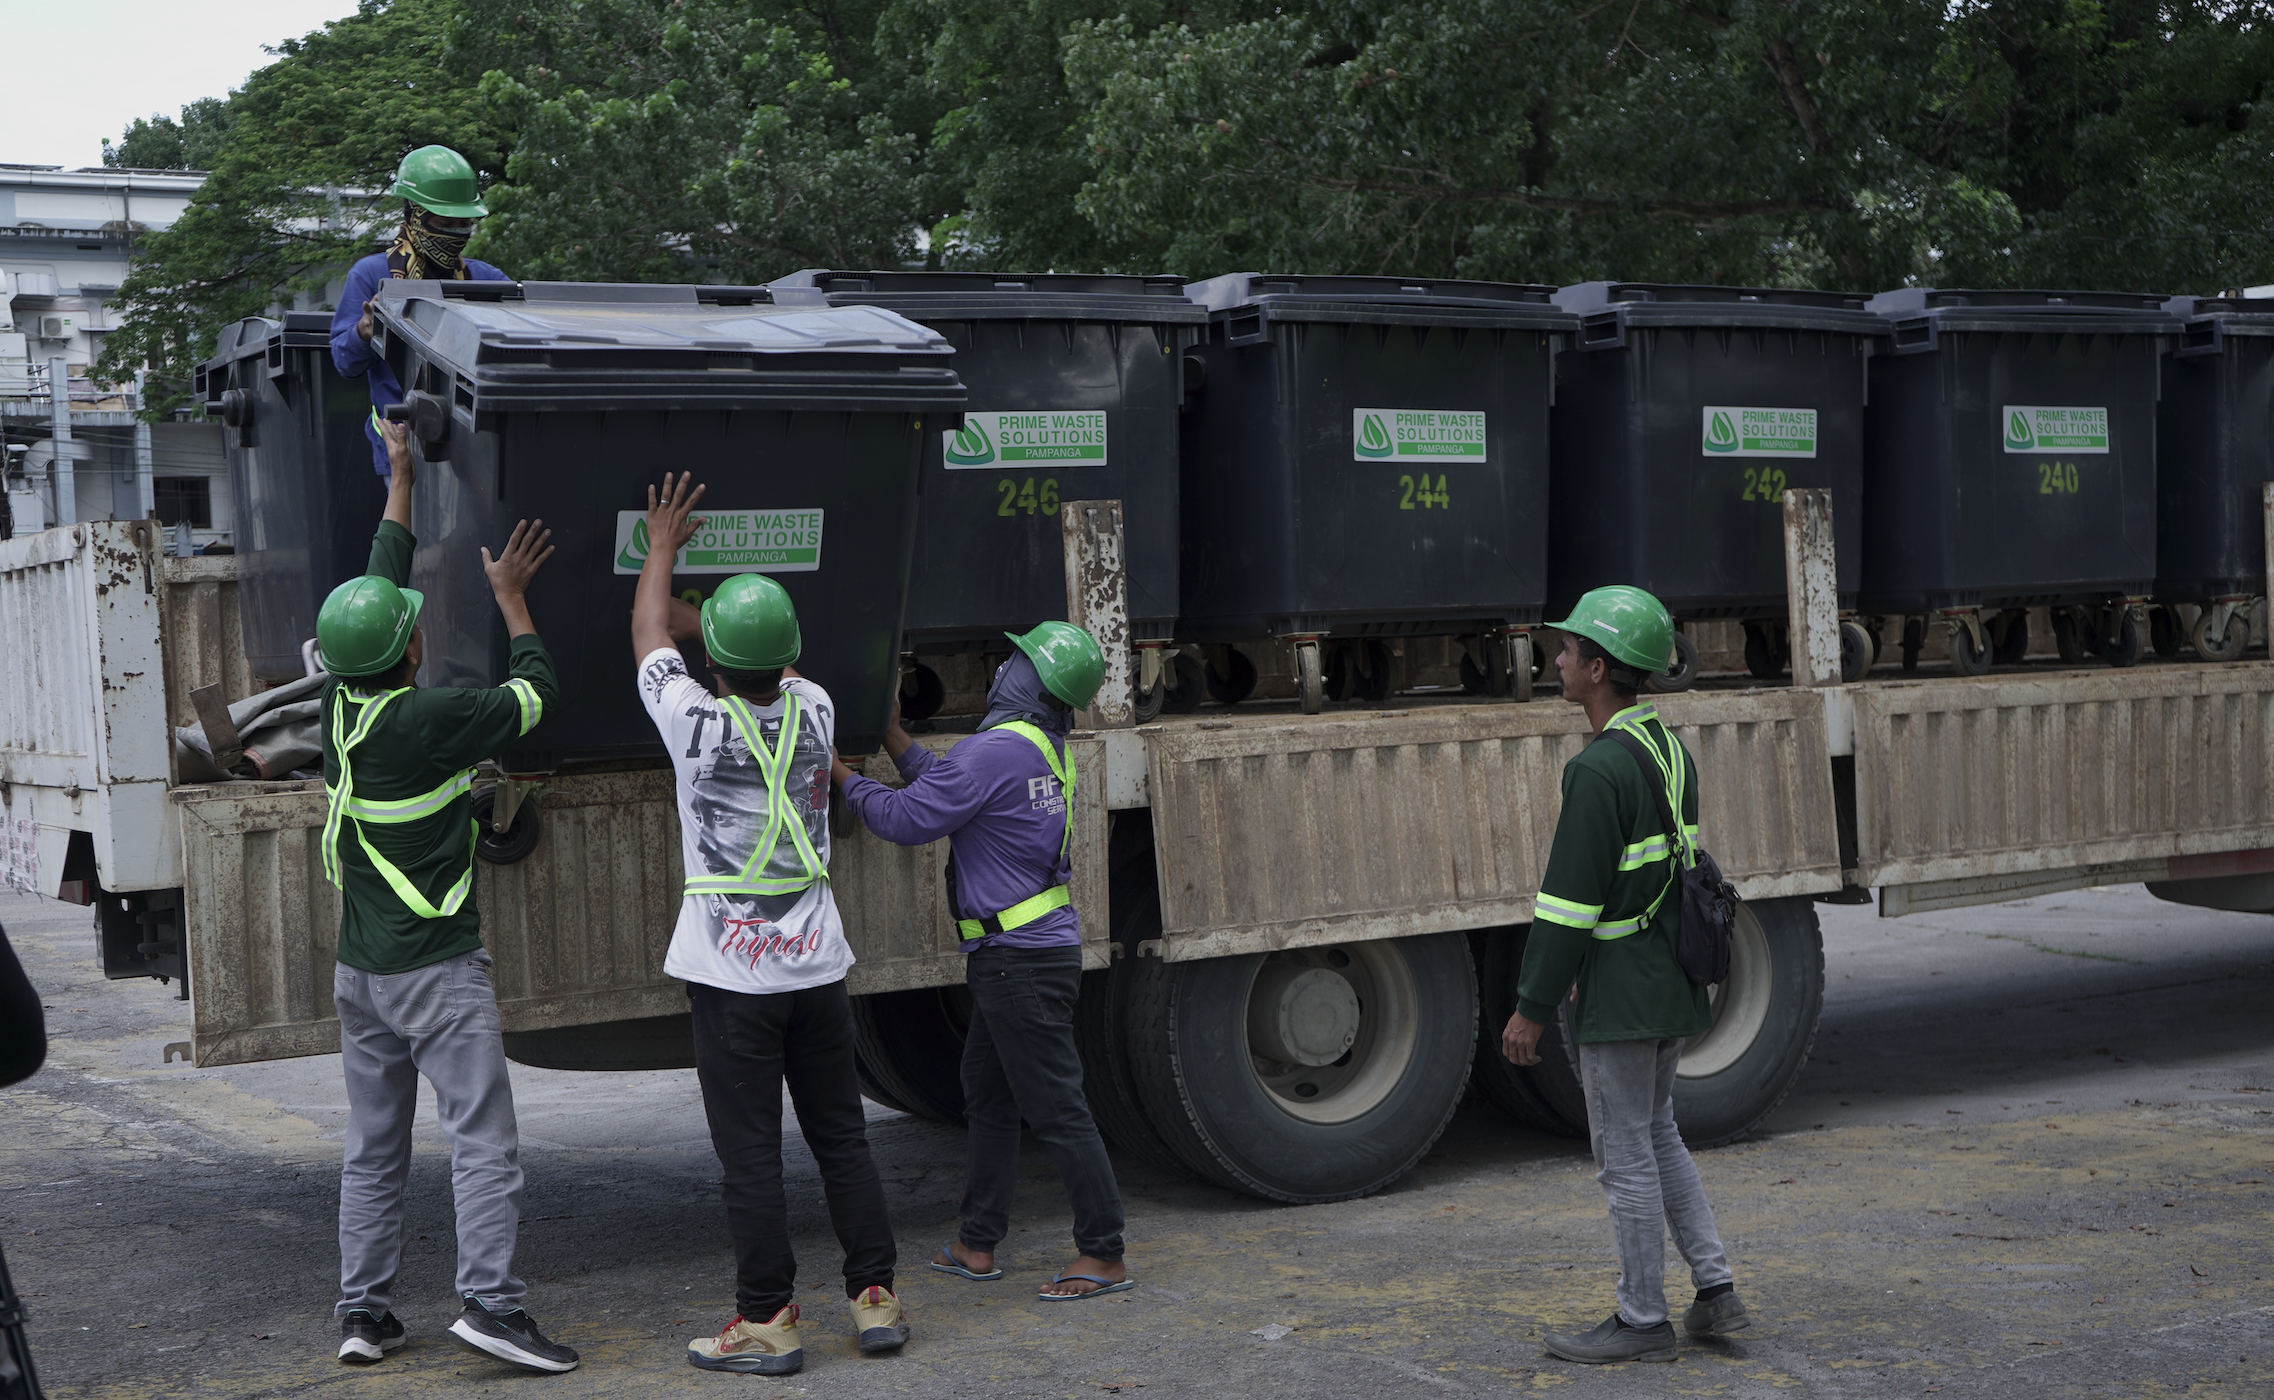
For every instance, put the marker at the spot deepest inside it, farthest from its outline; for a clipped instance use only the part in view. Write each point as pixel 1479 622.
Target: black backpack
pixel 1709 903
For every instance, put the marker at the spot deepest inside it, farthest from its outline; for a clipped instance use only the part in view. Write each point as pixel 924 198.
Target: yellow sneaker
pixel 753 1348
pixel 876 1314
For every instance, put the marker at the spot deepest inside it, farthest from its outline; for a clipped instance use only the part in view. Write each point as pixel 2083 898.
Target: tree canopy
pixel 1834 143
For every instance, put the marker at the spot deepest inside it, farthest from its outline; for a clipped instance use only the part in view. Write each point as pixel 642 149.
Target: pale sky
pixel 127 59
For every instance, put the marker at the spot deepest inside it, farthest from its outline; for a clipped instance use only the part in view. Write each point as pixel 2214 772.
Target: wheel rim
pixel 1304 1003
pixel 1740 1004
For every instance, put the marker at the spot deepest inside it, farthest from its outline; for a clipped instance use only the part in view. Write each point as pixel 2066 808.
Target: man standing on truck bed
pixel 759 944
pixel 1004 799
pixel 413 982
pixel 1608 913
pixel 441 200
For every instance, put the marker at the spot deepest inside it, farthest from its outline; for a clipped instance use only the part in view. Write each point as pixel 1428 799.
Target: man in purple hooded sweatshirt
pixel 1004 800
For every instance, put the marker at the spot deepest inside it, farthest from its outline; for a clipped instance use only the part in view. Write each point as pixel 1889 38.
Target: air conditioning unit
pixel 55 327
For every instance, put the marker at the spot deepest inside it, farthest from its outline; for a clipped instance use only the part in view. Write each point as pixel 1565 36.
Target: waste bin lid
pixel 587 346
pixel 1282 296
pixel 987 296
pixel 2244 315
pixel 1669 304
pixel 2003 309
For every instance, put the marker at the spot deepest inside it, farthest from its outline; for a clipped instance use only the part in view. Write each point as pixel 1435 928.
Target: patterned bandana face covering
pixel 423 251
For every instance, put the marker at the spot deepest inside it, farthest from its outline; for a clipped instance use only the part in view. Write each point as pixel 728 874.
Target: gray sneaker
pixel 1716 1317
pixel 1614 1340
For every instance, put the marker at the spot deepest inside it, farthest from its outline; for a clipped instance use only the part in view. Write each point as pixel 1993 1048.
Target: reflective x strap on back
pixel 781 816
pixel 341 802
pixel 1033 907
pixel 1679 842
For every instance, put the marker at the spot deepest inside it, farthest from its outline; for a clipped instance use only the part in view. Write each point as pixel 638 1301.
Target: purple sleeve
pixel 914 761
pixel 938 804
pixel 351 355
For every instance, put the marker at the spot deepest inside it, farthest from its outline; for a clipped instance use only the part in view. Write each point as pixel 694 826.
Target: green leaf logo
pixel 1373 438
pixel 971 447
pixel 1721 434
pixel 634 555
pixel 2019 438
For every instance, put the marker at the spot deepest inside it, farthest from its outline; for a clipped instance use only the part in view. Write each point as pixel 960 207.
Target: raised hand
pixel 670 518
pixel 525 553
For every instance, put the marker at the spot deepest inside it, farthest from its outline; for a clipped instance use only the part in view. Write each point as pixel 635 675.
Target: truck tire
pixel 1499 956
pixel 1765 1018
pixel 1102 1015
pixel 1230 1057
pixel 910 1046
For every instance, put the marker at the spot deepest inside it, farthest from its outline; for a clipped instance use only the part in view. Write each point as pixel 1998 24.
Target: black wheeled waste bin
pixel 1682 416
pixel 1366 458
pixel 2009 463
pixel 306 498
pixel 566 401
pixel 2214 456
pixel 1074 384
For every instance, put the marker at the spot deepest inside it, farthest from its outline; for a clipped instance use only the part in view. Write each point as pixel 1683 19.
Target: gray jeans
pixel 1646 1172
pixel 440 1021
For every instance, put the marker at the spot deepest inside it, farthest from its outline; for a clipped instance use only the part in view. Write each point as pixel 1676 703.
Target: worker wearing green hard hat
pixel 411 984
pixel 442 197
pixel 1608 919
pixel 759 941
pixel 1005 800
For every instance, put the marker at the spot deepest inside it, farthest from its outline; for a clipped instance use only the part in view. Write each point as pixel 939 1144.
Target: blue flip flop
pixel 1103 1287
pixel 958 1271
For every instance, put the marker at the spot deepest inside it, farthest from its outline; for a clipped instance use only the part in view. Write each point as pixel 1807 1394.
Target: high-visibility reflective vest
pixel 341 802
pixel 782 818
pixel 1058 896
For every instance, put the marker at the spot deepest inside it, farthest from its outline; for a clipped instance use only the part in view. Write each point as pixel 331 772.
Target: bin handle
pixel 1603 330
pixel 1915 335
pixel 1244 326
pixel 2201 337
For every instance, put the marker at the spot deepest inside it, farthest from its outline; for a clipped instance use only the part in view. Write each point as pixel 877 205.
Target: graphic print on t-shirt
pixel 747 942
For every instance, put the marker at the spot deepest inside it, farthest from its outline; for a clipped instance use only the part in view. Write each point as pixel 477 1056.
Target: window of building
pixel 179 498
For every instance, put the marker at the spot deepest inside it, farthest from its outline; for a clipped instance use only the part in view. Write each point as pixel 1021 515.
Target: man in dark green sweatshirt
pixel 412 985
pixel 1607 916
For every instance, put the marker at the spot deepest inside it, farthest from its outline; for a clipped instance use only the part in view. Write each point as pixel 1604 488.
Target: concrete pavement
pixel 2031 1156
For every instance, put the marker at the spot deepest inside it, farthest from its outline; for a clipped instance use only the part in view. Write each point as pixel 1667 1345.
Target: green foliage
pixel 306 144
pixel 159 142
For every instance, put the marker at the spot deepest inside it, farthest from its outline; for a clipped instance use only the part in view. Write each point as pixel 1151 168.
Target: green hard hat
pixel 364 626
pixel 1628 623
pixel 438 179
pixel 750 624
pixel 1069 660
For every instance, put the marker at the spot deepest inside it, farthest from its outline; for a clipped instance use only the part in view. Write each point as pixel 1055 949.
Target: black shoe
pixel 510 1336
pixel 1716 1317
pixel 364 1338
pixel 1614 1340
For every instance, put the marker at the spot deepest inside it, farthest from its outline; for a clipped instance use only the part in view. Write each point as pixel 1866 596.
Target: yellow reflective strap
pixel 341 802
pixel 1064 772
pixel 1019 915
pixel 774 767
pixel 1636 924
pixel 1563 911
pixel 1643 853
pixel 532 704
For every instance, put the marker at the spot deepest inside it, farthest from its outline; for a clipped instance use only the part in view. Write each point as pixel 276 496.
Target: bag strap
pixel 1652 778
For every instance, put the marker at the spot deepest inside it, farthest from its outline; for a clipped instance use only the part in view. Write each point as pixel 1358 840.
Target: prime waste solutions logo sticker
pixel 2033 429
pixel 1074 438
pixel 1416 434
pixel 1758 432
pixel 730 542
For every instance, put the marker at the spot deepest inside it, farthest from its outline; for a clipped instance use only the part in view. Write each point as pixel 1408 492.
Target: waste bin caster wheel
pixel 1523 667
pixel 1764 659
pixel 1970 653
pixel 1191 685
pixel 1310 679
pixel 1914 639
pixel 1856 652
pixel 922 692
pixel 2166 633
pixel 2229 645
pixel 1231 676
pixel 2010 637
pixel 1682 675
pixel 2068 636
pixel 516 841
pixel 2124 642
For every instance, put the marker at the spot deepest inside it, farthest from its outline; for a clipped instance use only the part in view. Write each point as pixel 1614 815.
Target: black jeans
pixel 1019 1061
pixel 746 1045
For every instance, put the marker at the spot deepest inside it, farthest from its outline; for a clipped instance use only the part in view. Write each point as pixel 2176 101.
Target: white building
pixel 65 237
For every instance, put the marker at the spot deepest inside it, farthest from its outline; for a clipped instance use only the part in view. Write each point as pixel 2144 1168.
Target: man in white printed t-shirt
pixel 759 943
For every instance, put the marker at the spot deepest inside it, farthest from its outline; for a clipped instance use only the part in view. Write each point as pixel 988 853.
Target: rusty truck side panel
pixel 578 929
pixel 1294 833
pixel 1968 779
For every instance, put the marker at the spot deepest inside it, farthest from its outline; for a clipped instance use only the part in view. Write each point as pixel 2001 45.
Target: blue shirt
pixel 998 803
pixel 352 355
